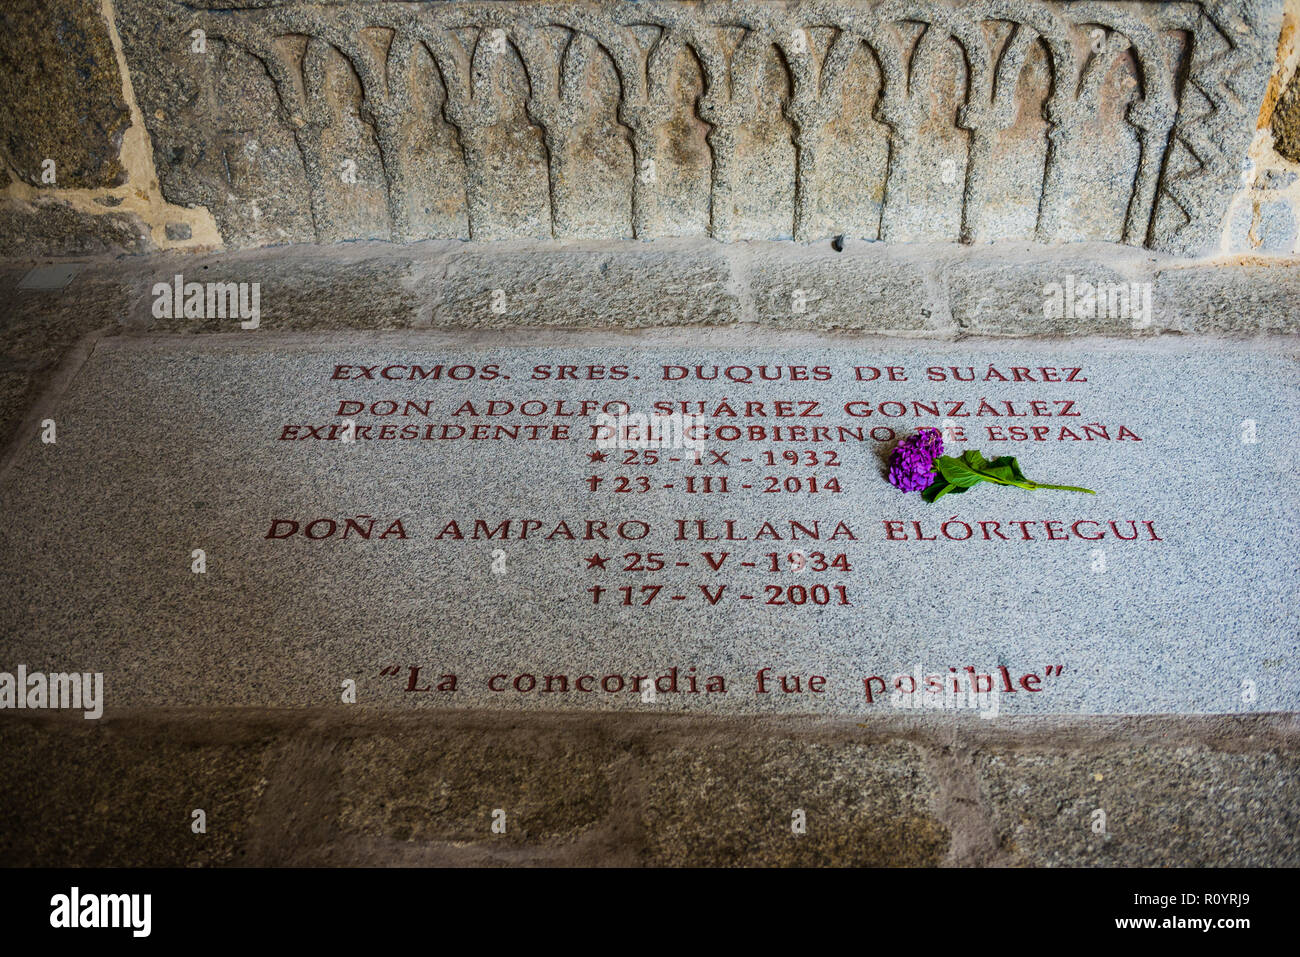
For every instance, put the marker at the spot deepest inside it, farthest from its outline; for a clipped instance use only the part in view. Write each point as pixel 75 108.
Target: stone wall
pixel 1169 126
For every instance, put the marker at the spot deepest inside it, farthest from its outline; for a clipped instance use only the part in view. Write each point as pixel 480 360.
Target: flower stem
pixel 1063 488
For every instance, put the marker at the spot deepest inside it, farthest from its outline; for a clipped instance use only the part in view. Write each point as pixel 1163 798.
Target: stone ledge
pixel 940 291
pixel 380 788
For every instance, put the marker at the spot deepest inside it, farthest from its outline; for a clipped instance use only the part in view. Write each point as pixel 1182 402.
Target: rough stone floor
pixel 396 786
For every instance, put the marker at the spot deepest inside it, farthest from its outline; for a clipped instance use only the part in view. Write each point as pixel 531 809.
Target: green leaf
pixel 938 489
pixel 1011 463
pixel 972 468
pixel 957 472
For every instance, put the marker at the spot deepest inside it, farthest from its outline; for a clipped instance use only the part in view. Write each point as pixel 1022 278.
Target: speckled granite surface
pixel 169 445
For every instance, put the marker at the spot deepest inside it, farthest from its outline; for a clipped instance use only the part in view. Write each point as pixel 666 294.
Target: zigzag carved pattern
pixel 487 56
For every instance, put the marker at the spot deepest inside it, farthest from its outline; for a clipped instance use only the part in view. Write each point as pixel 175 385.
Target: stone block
pixel 1277 227
pixel 60 94
pixel 1233 300
pixel 657 285
pixel 449 786
pixel 731 803
pixel 1031 292
pixel 1160 807
pixel 48 226
pixel 863 288
pixel 77 794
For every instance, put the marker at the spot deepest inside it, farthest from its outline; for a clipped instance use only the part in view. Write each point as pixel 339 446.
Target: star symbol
pixel 597 456
pixel 595 561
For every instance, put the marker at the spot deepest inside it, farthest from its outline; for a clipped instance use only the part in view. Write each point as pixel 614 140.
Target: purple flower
pixel 911 467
